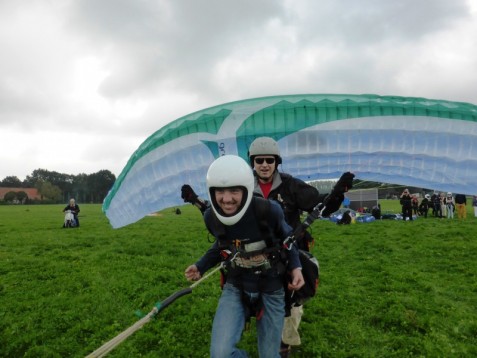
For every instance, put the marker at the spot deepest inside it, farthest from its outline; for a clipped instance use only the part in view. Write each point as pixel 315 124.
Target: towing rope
pixel 159 306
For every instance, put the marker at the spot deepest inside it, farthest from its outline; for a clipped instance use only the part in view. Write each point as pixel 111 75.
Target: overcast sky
pixel 84 82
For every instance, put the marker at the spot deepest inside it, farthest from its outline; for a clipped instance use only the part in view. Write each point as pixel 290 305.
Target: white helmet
pixel 230 171
pixel 427 196
pixel 264 146
pixel 449 193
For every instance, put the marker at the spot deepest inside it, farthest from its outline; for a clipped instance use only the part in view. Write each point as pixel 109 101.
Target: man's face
pixel 229 199
pixel 264 166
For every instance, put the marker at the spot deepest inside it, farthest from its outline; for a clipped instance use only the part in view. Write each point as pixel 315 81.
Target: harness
pixel 243 257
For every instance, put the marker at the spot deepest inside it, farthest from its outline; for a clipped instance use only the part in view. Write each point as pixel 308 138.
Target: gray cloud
pixel 107 74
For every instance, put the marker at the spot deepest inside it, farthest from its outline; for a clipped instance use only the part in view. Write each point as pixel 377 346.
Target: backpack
pixel 309 263
pixel 345 219
pixel 376 212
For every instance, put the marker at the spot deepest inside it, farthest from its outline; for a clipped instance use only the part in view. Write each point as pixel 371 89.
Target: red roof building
pixel 32 193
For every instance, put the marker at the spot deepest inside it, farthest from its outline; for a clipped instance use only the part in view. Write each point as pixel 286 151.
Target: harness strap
pixel 251 307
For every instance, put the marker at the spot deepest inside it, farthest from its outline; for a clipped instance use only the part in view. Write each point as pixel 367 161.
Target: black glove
pixel 188 194
pixel 344 184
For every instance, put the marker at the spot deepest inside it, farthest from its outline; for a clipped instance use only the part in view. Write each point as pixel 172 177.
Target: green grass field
pixel 388 288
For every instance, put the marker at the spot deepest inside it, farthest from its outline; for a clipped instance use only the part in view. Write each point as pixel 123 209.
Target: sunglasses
pixel 261 160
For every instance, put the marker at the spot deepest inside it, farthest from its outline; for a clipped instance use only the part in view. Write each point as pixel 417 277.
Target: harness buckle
pixel 225 254
pixel 288 242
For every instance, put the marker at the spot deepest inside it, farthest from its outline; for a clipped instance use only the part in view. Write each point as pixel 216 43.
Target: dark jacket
pixel 424 204
pixel 295 196
pixel 460 199
pixel 74 209
pixel 406 201
pixel 247 230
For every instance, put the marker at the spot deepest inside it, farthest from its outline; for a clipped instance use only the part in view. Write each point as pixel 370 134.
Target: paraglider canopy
pixel 411 141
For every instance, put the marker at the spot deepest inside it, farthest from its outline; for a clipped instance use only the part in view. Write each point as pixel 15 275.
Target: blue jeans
pixel 229 322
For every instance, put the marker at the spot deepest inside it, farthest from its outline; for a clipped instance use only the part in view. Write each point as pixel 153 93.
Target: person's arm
pixel 297 280
pixel 295 269
pixel 333 201
pixel 282 230
pixel 192 273
pixel 306 196
pixel 210 259
pixel 189 196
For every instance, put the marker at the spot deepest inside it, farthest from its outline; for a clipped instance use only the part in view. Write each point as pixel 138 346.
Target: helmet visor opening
pixel 231 189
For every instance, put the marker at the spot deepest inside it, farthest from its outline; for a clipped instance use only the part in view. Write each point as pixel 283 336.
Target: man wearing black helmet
pixel 255 271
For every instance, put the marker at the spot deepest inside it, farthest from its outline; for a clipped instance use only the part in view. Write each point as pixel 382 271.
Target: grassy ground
pixel 388 288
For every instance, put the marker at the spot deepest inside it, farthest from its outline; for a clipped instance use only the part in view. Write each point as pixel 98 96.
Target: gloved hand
pixel 188 194
pixel 344 183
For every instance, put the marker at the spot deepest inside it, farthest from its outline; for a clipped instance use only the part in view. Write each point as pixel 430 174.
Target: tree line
pixel 57 187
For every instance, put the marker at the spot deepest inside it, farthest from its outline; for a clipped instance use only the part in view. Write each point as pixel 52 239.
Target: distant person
pixel 74 209
pixel 474 204
pixel 460 205
pixel 424 205
pixel 436 202
pixel 415 205
pixel 449 202
pixel 443 204
pixel 406 203
pixel 345 218
pixel 376 212
pixel 431 203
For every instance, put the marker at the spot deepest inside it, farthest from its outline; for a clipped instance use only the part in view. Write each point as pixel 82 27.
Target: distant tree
pixel 49 191
pixel 83 187
pixel 10 197
pixel 22 196
pixel 11 182
pixel 80 187
pixel 99 184
pixel 63 181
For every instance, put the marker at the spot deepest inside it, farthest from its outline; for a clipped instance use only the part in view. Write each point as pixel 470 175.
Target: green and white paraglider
pixel 410 141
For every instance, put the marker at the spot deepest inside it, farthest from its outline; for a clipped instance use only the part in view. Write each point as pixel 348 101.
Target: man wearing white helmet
pixel 294 196
pixel 254 274
pixel 424 205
